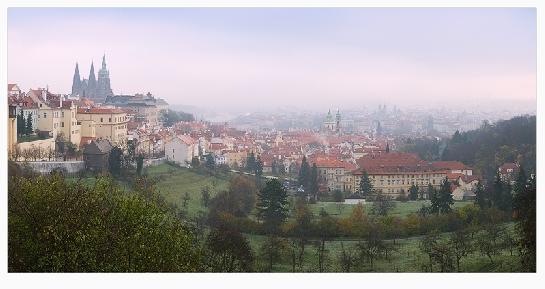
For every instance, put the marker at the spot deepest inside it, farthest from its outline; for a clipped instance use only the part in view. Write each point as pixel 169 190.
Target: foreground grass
pixel 407 258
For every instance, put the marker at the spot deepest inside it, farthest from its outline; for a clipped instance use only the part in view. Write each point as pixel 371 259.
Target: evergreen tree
pixel 210 162
pixel 481 197
pixel 304 174
pixel 250 162
pixel 274 170
pixel 28 124
pixel 20 123
pixel 116 155
pixel 366 187
pixel 413 192
pixel 139 164
pixel 431 192
pixel 442 200
pixel 313 182
pixel 524 205
pixel 272 207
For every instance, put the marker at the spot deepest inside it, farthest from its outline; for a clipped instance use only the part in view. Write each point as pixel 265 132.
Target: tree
pixel 302 230
pixel 228 251
pixel 481 196
pixel 205 196
pixel 413 192
pixel 71 227
pixel 185 201
pixel 250 163
pixel 326 229
pixel 195 163
pixel 272 207
pixel 28 124
pixel 382 204
pixel 271 250
pixel 372 247
pixel 139 164
pixel 338 196
pixel 501 194
pixel 238 200
pixel 442 200
pixel 313 182
pixel 460 242
pixel 304 174
pixel 258 171
pixel 525 217
pixel 210 162
pixel 21 124
pixel 115 161
pixel 366 187
pixel 346 259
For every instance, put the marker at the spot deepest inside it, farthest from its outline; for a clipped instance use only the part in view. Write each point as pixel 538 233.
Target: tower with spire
pixel 93 88
pixel 76 82
pixel 103 89
pixel 338 122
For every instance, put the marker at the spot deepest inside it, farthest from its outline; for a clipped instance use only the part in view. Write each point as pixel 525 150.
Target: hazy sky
pixel 307 57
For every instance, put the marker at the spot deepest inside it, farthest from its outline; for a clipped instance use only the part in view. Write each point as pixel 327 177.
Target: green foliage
pixel 494 144
pixel 28 124
pixel 441 201
pixel 304 174
pixel 115 161
pixel 228 251
pixel 139 164
pixel 525 216
pixel 56 226
pixel 413 192
pixel 313 182
pixel 170 117
pixel 272 207
pixel 366 187
pixel 238 200
pixel 381 204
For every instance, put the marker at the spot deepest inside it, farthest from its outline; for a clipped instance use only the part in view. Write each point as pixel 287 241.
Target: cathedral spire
pixel 104 61
pixel 92 82
pixel 76 81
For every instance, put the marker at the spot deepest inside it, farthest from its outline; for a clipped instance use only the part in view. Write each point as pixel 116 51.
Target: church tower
pixel 76 82
pixel 91 83
pixel 338 122
pixel 103 85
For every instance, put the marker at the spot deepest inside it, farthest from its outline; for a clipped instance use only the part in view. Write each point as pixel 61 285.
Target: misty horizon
pixel 248 59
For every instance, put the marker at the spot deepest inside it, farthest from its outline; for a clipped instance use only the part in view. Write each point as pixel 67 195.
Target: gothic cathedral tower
pixel 103 88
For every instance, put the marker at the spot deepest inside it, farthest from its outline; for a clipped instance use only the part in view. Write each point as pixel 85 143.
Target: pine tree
pixel 481 197
pixel 250 162
pixel 28 124
pixel 304 174
pixel 313 182
pixel 272 207
pixel 442 200
pixel 21 123
pixel 413 192
pixel 366 187
pixel 524 205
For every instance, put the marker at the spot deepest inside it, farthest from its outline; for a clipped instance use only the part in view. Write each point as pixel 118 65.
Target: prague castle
pixel 93 88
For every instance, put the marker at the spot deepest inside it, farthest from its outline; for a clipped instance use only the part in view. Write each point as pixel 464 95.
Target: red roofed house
pixel 335 173
pixel 508 171
pixel 181 149
pixel 394 173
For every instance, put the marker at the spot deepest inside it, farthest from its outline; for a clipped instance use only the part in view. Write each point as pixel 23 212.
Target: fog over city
pixel 244 59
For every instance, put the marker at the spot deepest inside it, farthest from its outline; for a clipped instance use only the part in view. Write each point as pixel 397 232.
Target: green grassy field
pixel 406 258
pixel 401 209
pixel 174 182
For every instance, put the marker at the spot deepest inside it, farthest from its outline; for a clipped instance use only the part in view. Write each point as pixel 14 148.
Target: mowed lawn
pixel 401 208
pixel 173 182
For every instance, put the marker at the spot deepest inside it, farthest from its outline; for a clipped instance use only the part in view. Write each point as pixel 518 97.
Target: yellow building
pixel 107 123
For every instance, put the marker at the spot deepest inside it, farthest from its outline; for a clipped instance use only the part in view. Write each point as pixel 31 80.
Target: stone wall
pixel 68 167
pixel 154 162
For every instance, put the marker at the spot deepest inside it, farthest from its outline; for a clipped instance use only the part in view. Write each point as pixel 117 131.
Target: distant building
pixel 107 123
pixel 332 125
pixel 146 108
pixel 96 155
pixel 181 149
pixel 508 172
pixel 96 90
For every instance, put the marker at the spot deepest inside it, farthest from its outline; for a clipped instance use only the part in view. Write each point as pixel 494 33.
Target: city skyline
pixel 302 57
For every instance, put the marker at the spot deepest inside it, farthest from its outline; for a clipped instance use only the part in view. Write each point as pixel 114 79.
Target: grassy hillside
pixel 174 182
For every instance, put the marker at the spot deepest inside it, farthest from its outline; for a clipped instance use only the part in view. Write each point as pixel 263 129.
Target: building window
pixel 62 124
pixel 62 113
pixel 110 119
pixel 101 119
pixel 45 114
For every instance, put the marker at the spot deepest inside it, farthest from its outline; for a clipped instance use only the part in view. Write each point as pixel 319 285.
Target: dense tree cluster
pixel 170 117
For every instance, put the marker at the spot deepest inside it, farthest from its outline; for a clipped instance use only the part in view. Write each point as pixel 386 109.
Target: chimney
pixel 60 100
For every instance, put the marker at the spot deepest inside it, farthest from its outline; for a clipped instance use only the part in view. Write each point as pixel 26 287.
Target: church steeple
pixel 104 61
pixel 92 82
pixel 76 81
